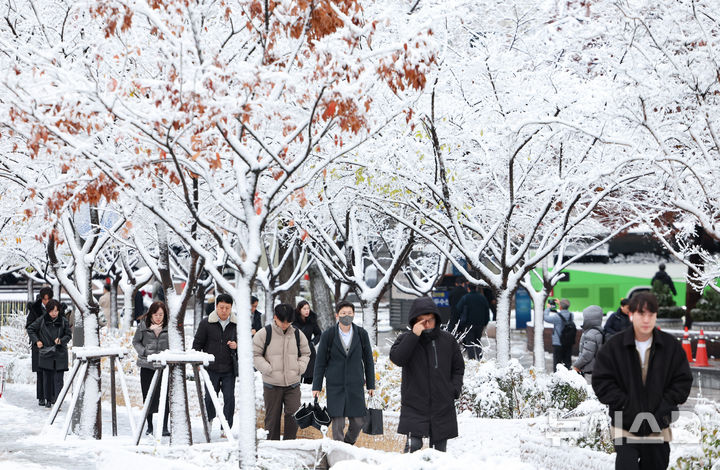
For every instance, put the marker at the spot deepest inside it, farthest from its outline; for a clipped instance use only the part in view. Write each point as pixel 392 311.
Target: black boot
pixel 41 402
pixel 149 429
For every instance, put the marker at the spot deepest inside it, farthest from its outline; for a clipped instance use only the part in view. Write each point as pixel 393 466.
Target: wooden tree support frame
pixel 81 365
pixel 201 375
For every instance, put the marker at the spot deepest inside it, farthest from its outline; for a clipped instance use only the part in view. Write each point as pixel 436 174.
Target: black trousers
pixel 642 456
pixel 40 385
pixel 53 381
pixel 226 383
pixel 562 355
pixel 146 376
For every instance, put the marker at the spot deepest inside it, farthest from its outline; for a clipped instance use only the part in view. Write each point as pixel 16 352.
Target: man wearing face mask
pixel 432 378
pixel 344 357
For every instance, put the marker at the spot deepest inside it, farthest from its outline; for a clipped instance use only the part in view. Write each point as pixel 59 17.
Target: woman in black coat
pixel 51 334
pixel 432 378
pixel 151 337
pixel 306 321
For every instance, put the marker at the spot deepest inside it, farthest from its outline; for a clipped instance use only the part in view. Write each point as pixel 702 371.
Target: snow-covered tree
pixel 239 96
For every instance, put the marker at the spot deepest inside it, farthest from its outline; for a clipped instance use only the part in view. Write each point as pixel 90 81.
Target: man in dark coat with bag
pixel 345 359
pixel 642 374
pixel 432 378
pixel 36 310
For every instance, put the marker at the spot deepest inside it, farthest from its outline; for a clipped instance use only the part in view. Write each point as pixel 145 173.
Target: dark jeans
pixel 416 442
pixel 279 401
pixel 642 456
pixel 40 385
pixel 226 383
pixel 561 355
pixel 53 381
pixel 472 342
pixel 146 376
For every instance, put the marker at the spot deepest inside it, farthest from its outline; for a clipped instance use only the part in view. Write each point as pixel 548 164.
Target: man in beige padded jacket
pixel 281 353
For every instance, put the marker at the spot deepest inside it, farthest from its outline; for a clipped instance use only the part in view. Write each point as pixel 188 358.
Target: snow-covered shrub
pixel 515 392
pixel 388 378
pixel 568 389
pixel 13 336
pixel 708 454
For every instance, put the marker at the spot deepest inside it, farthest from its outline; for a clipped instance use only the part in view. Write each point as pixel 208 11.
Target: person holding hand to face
pixel 432 378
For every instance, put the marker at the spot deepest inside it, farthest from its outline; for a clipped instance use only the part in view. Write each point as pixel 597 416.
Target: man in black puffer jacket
pixel 432 378
pixel 217 335
pixel 642 374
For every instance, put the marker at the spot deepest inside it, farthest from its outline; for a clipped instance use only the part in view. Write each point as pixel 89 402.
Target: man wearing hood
pixel 432 378
pixel 217 335
pixel 591 340
pixel 345 359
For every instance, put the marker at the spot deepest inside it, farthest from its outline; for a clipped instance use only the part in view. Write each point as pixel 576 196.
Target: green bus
pixel 604 284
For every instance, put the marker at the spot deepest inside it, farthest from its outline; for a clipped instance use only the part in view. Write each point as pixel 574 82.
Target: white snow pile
pixel 181 356
pixel 84 352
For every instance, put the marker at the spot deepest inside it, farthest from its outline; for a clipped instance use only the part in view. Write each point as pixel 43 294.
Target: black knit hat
pixel 422 306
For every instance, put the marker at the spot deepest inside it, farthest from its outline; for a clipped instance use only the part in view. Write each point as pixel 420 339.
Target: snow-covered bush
pixel 707 454
pixel 13 336
pixel 388 378
pixel 509 392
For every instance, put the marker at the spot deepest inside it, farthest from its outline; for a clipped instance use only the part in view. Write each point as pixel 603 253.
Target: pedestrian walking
pixel 619 320
pixel 51 334
pixel 664 277
pixel 345 360
pixel 564 331
pixel 255 319
pixel 217 335
pixel 454 296
pixel 642 374
pixel 474 316
pixel 432 378
pixel 151 337
pixel 306 321
pixel 37 310
pixel 591 340
pixel 104 303
pixel 281 354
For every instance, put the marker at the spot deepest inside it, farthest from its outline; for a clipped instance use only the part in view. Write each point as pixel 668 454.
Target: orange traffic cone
pixel 686 345
pixel 701 357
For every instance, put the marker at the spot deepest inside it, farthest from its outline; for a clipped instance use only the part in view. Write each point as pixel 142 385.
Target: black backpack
pixel 268 337
pixel 568 331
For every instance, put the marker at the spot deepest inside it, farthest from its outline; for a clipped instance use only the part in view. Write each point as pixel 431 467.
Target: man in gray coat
pixel 345 358
pixel 591 339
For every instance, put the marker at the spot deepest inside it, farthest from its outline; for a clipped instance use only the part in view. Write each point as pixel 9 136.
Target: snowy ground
pixel 27 443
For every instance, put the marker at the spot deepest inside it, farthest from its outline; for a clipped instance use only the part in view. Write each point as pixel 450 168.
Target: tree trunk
pixel 502 332
pixel 247 441
pixel 198 305
pixel 321 297
pixel 114 321
pixel 286 271
pixel 539 330
pixel 370 314
pixel 269 307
